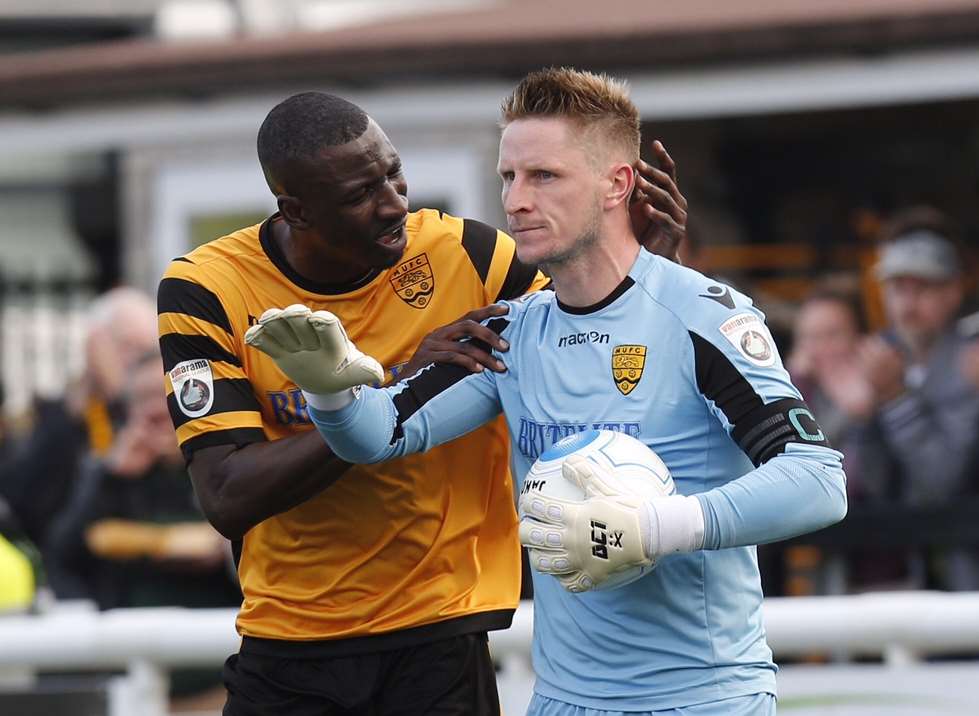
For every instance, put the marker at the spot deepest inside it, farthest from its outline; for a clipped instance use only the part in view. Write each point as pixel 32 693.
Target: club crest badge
pixel 414 281
pixel 193 386
pixel 628 362
pixel 750 336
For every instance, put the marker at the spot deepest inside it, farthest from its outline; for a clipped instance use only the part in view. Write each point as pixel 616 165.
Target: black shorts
pixel 451 677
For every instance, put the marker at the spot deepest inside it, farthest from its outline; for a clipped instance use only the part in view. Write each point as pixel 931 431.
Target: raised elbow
pixel 835 501
pixel 838 510
pixel 227 524
pixel 220 514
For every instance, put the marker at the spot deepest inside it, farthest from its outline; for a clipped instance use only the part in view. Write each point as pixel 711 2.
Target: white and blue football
pixel 639 468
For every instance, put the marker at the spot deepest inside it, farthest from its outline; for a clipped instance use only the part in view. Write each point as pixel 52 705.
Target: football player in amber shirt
pixel 374 595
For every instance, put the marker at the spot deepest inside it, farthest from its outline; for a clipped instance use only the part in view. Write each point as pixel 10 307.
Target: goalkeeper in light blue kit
pixel 626 341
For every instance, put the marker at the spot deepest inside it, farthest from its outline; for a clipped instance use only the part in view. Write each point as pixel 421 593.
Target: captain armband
pixel 764 432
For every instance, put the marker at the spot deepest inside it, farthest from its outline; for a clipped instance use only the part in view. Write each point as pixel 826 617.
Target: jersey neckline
pixel 278 260
pixel 627 283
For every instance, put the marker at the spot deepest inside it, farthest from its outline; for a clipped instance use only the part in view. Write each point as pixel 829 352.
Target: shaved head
pixel 299 128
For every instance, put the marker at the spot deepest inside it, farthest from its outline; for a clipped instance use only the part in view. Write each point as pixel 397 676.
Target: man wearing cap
pixel 926 407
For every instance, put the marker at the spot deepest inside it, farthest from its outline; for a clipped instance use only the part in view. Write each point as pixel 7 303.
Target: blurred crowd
pixel 95 500
pixel 901 402
pixel 96 504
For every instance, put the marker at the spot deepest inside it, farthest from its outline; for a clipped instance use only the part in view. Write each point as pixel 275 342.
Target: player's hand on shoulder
pixel 657 208
pixel 585 542
pixel 313 350
pixel 463 342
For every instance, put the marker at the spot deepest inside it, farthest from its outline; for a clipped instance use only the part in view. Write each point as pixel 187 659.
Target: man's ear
pixel 293 211
pixel 622 180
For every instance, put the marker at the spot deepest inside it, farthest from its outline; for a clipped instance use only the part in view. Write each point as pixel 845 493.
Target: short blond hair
pixel 593 101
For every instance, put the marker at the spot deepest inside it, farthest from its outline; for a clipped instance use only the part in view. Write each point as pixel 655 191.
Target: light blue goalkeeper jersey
pixel 687 366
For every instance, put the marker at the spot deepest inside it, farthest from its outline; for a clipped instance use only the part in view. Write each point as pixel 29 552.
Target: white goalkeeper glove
pixel 583 543
pixel 313 350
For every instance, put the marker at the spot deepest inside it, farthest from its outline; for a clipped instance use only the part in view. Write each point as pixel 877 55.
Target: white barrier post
pixel 144 690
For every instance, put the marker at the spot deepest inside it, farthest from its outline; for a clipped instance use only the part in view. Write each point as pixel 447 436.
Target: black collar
pixel 275 255
pixel 626 284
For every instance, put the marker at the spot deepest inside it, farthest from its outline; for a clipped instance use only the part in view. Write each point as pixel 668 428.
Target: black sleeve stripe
pixel 176 347
pixel 731 391
pixel 719 380
pixel 183 259
pixel 238 437
pixel 423 387
pixel 479 241
pixel 177 295
pixel 762 431
pixel 519 277
pixel 230 395
pixel 433 381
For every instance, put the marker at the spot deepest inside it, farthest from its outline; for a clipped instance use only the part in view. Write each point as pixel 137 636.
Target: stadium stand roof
pixel 503 39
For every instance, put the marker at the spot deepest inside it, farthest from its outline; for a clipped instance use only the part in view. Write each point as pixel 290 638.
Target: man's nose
pixel 516 197
pixel 391 202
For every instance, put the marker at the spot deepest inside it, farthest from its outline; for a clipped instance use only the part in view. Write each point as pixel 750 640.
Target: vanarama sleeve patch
pixel 751 337
pixel 193 386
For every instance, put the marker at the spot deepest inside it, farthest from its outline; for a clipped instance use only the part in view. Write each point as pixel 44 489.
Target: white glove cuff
pixel 331 401
pixel 675 525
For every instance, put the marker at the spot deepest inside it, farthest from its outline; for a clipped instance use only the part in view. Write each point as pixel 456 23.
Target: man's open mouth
pixel 392 235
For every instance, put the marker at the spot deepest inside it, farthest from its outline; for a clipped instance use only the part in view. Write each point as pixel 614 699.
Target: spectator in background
pixel 823 363
pixel 968 327
pixel 824 366
pixel 925 406
pixel 37 474
pixel 132 535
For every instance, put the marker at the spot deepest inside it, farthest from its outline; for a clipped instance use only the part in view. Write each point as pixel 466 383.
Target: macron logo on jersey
pixel 578 338
pixel 536 437
pixel 721 295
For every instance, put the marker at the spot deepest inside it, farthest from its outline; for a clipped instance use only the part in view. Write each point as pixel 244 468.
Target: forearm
pixel 362 431
pixel 794 493
pixel 264 479
pixel 440 404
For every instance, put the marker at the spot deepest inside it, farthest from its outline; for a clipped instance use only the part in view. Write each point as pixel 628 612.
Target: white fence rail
pixel 41 340
pixel 900 626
